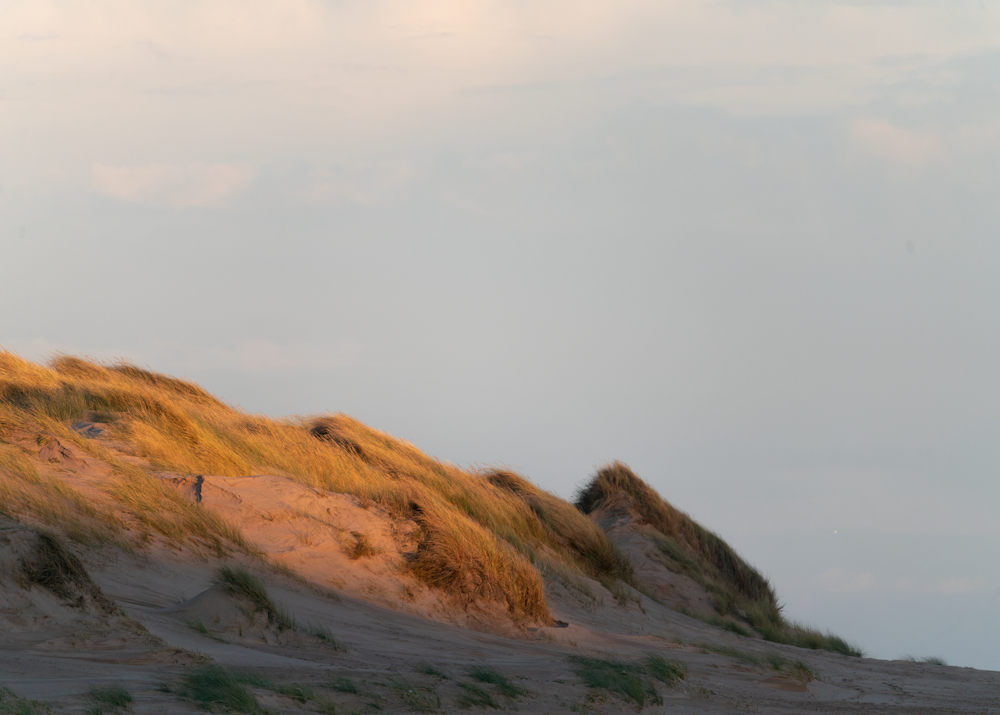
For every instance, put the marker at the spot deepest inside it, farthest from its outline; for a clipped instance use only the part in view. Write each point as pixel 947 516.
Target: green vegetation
pixel 629 680
pixel 344 685
pixel 215 688
pixel 431 670
pixel 241 583
pixel 324 634
pixel 689 548
pixel 724 623
pixel 219 689
pixel 931 659
pixel 112 696
pixel 767 659
pixel 666 671
pixel 11 704
pixel 488 674
pixel 474 696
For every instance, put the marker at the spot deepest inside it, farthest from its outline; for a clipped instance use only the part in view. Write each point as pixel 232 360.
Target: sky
pixel 749 248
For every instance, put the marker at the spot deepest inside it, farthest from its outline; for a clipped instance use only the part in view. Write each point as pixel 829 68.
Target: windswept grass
pixel 112 696
pixel 489 674
pixel 930 659
pixel 11 704
pixel 629 679
pixel 766 659
pixel 693 550
pixel 220 689
pixel 177 426
pixel 241 583
pixel 474 696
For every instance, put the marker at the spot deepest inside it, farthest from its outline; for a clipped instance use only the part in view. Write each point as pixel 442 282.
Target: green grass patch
pixel 344 685
pixel 630 680
pixel 241 583
pixel 431 670
pixel 324 634
pixel 474 696
pixel 221 690
pixel 488 674
pixel 768 659
pixel 726 624
pixel 215 688
pixel 11 704
pixel 666 671
pixel 930 659
pixel 112 696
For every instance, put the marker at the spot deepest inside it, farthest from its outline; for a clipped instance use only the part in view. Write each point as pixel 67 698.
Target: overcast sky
pixel 750 248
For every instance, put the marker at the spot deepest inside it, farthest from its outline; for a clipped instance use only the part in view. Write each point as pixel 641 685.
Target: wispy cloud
pixel 367 188
pixel 172 185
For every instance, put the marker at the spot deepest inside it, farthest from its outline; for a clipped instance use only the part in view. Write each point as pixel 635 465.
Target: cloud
pixel 253 356
pixel 171 185
pixel 908 149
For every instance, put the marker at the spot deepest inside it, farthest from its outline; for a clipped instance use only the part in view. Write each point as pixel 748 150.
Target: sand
pixel 151 617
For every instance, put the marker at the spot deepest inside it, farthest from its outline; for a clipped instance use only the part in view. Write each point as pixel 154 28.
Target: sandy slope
pixel 55 648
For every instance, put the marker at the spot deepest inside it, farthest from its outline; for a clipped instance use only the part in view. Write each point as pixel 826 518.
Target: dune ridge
pixel 315 563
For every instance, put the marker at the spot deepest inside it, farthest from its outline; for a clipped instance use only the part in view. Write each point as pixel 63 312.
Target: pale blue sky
pixel 750 248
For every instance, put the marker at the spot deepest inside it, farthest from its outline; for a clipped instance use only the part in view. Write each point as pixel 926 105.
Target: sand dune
pixel 341 621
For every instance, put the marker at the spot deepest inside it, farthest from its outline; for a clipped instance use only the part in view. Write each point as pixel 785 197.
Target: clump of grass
pixel 431 670
pixel 112 696
pixel 418 698
pixel 767 659
pixel 930 659
pixel 324 634
pixel 199 625
pixel 363 547
pixel 617 676
pixel 666 671
pixel 219 689
pixel 344 685
pixel 504 686
pixel 11 704
pixel 55 568
pixel 241 583
pixel 474 696
pixel 723 623
pixel 215 688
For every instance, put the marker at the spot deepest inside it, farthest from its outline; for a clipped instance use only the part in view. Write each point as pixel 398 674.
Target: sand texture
pixel 357 619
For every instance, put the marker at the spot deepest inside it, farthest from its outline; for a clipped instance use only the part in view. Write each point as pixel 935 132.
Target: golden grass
pixel 468 522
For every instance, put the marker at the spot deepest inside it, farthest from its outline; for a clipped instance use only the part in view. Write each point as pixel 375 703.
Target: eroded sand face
pixel 404 647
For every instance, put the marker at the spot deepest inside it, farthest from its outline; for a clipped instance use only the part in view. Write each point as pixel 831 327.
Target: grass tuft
pixel 930 659
pixel 241 583
pixel 767 659
pixel 363 547
pixel 474 696
pixel 11 704
pixel 344 685
pixel 324 634
pixel 488 674
pixel 215 688
pixel 617 676
pixel 113 696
